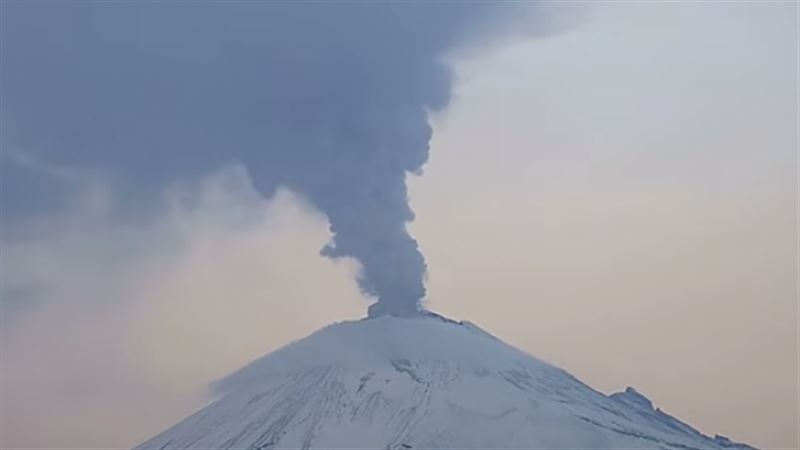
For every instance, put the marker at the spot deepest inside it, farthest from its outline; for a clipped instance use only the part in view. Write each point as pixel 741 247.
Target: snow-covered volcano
pixel 425 382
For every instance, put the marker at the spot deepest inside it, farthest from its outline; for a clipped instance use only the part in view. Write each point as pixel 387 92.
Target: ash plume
pixel 330 99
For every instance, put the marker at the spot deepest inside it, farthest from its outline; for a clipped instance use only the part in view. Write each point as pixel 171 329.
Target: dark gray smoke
pixel 330 99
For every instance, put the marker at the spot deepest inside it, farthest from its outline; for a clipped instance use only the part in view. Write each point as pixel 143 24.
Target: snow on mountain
pixel 425 383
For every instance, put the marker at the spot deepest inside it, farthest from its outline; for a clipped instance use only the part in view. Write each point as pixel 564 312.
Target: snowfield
pixel 423 383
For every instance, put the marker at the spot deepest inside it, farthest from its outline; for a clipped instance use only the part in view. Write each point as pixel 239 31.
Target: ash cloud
pixel 328 99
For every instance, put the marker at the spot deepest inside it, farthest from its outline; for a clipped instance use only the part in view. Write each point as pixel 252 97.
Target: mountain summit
pixel 422 382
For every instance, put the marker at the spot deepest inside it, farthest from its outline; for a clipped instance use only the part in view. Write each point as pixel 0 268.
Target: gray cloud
pixel 112 331
pixel 328 99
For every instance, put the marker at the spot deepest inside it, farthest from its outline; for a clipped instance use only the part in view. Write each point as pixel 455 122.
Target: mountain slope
pixel 425 382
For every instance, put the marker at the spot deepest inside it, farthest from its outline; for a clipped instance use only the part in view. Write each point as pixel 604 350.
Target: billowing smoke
pixel 330 99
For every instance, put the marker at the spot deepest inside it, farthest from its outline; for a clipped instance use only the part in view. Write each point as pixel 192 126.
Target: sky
pixel 617 196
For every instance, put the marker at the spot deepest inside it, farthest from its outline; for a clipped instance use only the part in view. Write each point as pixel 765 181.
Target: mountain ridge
pixel 420 382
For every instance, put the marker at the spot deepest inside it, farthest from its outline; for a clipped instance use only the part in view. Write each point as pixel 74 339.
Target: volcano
pixel 422 382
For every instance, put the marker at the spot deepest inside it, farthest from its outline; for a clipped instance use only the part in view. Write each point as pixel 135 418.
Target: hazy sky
pixel 618 198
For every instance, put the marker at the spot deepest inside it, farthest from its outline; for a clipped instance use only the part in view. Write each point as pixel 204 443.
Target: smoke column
pixel 330 99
